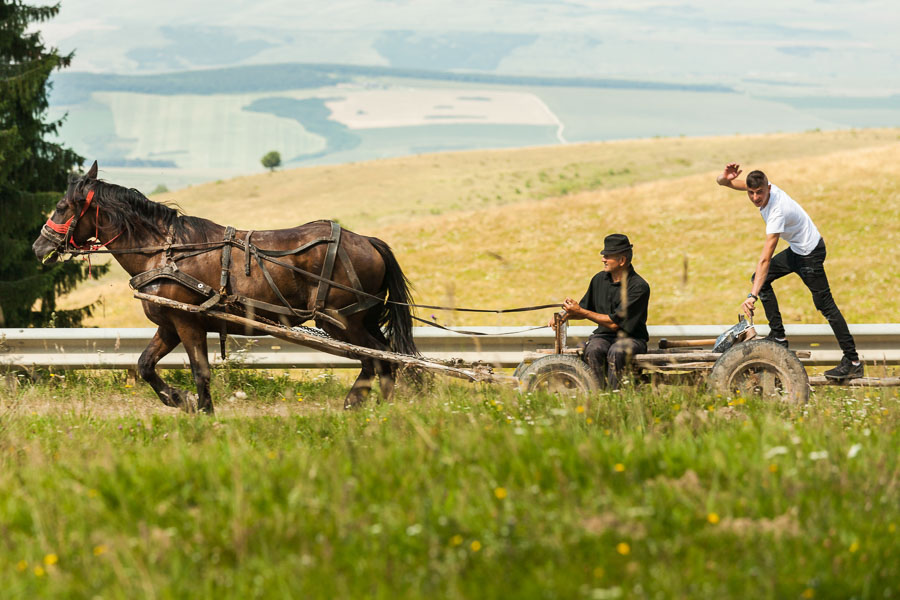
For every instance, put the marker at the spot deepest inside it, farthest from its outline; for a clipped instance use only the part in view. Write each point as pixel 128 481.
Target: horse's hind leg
pixel 362 386
pixel 163 342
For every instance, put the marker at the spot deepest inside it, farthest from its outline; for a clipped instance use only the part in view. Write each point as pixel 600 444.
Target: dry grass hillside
pixel 516 227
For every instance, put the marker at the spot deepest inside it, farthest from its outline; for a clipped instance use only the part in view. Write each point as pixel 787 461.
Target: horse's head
pixel 71 225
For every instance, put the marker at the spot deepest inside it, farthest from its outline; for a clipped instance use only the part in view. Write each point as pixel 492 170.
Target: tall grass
pixel 455 492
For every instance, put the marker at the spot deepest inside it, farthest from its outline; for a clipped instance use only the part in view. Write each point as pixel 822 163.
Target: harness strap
pixel 363 302
pixel 247 249
pixel 328 266
pixel 226 258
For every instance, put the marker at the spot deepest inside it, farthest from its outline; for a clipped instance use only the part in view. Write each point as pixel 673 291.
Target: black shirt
pixel 605 297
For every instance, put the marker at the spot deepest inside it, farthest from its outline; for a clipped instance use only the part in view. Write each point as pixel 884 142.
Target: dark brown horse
pixel 283 283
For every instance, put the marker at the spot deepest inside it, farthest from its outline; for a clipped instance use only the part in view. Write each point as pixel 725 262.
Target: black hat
pixel 616 243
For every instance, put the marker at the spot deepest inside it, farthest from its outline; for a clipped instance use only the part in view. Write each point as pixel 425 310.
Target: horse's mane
pixel 127 209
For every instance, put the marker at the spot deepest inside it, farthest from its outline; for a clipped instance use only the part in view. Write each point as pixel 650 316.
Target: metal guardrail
pixel 120 348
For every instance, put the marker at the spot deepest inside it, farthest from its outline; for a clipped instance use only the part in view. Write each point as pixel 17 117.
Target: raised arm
pixel 728 178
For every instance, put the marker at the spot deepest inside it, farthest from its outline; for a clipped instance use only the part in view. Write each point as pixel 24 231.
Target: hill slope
pixel 508 228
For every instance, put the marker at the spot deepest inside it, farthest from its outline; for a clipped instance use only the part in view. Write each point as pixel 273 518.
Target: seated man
pixel 616 301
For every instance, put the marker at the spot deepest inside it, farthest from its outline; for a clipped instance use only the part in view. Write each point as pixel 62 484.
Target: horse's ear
pixel 92 172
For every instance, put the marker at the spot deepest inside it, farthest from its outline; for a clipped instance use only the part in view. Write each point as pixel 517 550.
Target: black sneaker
pixel 780 342
pixel 845 370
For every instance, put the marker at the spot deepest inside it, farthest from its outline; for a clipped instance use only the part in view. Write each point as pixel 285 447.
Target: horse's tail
pixel 395 317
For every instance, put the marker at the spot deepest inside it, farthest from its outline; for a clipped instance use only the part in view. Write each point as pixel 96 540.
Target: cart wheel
pixel 558 374
pixel 521 369
pixel 760 368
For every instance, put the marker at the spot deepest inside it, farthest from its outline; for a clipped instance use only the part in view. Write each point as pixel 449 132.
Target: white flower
pixel 776 451
pixel 818 455
pixel 854 450
pixel 414 530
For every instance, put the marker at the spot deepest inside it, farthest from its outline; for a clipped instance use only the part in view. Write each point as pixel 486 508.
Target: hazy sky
pixel 801 46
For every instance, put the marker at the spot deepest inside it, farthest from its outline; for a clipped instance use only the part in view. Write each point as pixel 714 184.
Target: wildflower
pixel 619 468
pixel 39 571
pixel 500 493
pixel 284 399
pixel 21 565
pixel 776 451
pixel 676 407
pixel 271 454
pixel 606 432
pixel 623 548
pixel 712 518
pixel 773 468
pixel 51 559
pixel 299 398
pixel 475 546
pixel 98 550
pixel 127 387
pixel 854 450
pixel 456 540
pixel 579 409
pixel 589 421
pixel 808 593
pixel 854 547
pixel 818 455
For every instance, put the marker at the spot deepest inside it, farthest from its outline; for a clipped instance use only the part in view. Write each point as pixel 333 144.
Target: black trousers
pixel 811 269
pixel 608 358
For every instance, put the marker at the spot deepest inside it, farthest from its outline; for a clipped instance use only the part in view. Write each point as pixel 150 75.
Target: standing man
pixel 805 255
pixel 616 300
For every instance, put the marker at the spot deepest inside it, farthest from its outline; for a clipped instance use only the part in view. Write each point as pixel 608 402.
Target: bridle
pixel 62 235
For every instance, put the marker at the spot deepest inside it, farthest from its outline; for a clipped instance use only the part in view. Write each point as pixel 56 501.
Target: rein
pixel 196 248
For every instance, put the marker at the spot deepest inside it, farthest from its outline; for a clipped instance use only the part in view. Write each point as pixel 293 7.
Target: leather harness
pixel 220 296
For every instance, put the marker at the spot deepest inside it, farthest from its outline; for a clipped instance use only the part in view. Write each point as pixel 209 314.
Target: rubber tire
pixel 561 372
pixel 768 355
pixel 521 369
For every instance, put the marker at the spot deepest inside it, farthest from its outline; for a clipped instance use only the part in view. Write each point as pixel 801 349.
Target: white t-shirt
pixel 787 218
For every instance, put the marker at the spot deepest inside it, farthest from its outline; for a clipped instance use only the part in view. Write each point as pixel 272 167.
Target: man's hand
pixel 731 172
pixel 748 306
pixel 573 309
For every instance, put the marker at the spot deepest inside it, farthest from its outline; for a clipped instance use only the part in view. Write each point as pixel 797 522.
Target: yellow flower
pixel 39 571
pixel 579 409
pixel 92 493
pixel 271 454
pixel 127 386
pixel 500 493
pixel 773 468
pixel 21 566
pixel 606 432
pixel 623 548
pixel 284 399
pixel 808 593
pixel 712 518
pixel 98 550
pixel 51 559
pixel 892 528
pixel 299 398
pixel 854 547
pixel 676 407
pixel 456 540
pixel 589 420
pixel 475 546
pixel 619 468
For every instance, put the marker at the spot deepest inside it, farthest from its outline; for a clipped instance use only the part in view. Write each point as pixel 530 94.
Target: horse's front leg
pixel 163 342
pixel 194 340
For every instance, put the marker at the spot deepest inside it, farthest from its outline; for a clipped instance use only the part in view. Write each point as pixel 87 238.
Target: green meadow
pixel 450 491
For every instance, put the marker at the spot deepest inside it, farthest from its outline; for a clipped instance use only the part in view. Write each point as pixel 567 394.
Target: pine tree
pixel 33 172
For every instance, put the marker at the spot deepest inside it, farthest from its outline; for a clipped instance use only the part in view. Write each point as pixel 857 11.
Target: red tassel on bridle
pixel 63 230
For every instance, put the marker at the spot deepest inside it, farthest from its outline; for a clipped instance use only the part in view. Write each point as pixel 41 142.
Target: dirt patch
pixel 783 525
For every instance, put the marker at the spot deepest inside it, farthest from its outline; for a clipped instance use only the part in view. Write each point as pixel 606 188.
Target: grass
pixel 457 492
pixel 518 227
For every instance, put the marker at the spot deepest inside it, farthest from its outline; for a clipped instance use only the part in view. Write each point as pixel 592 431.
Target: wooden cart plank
pixel 861 382
pixel 338 348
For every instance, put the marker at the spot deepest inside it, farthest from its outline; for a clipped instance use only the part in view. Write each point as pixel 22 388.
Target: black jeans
pixel 811 269
pixel 608 358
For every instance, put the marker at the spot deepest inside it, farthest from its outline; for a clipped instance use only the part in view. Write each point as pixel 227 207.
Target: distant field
pixel 508 228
